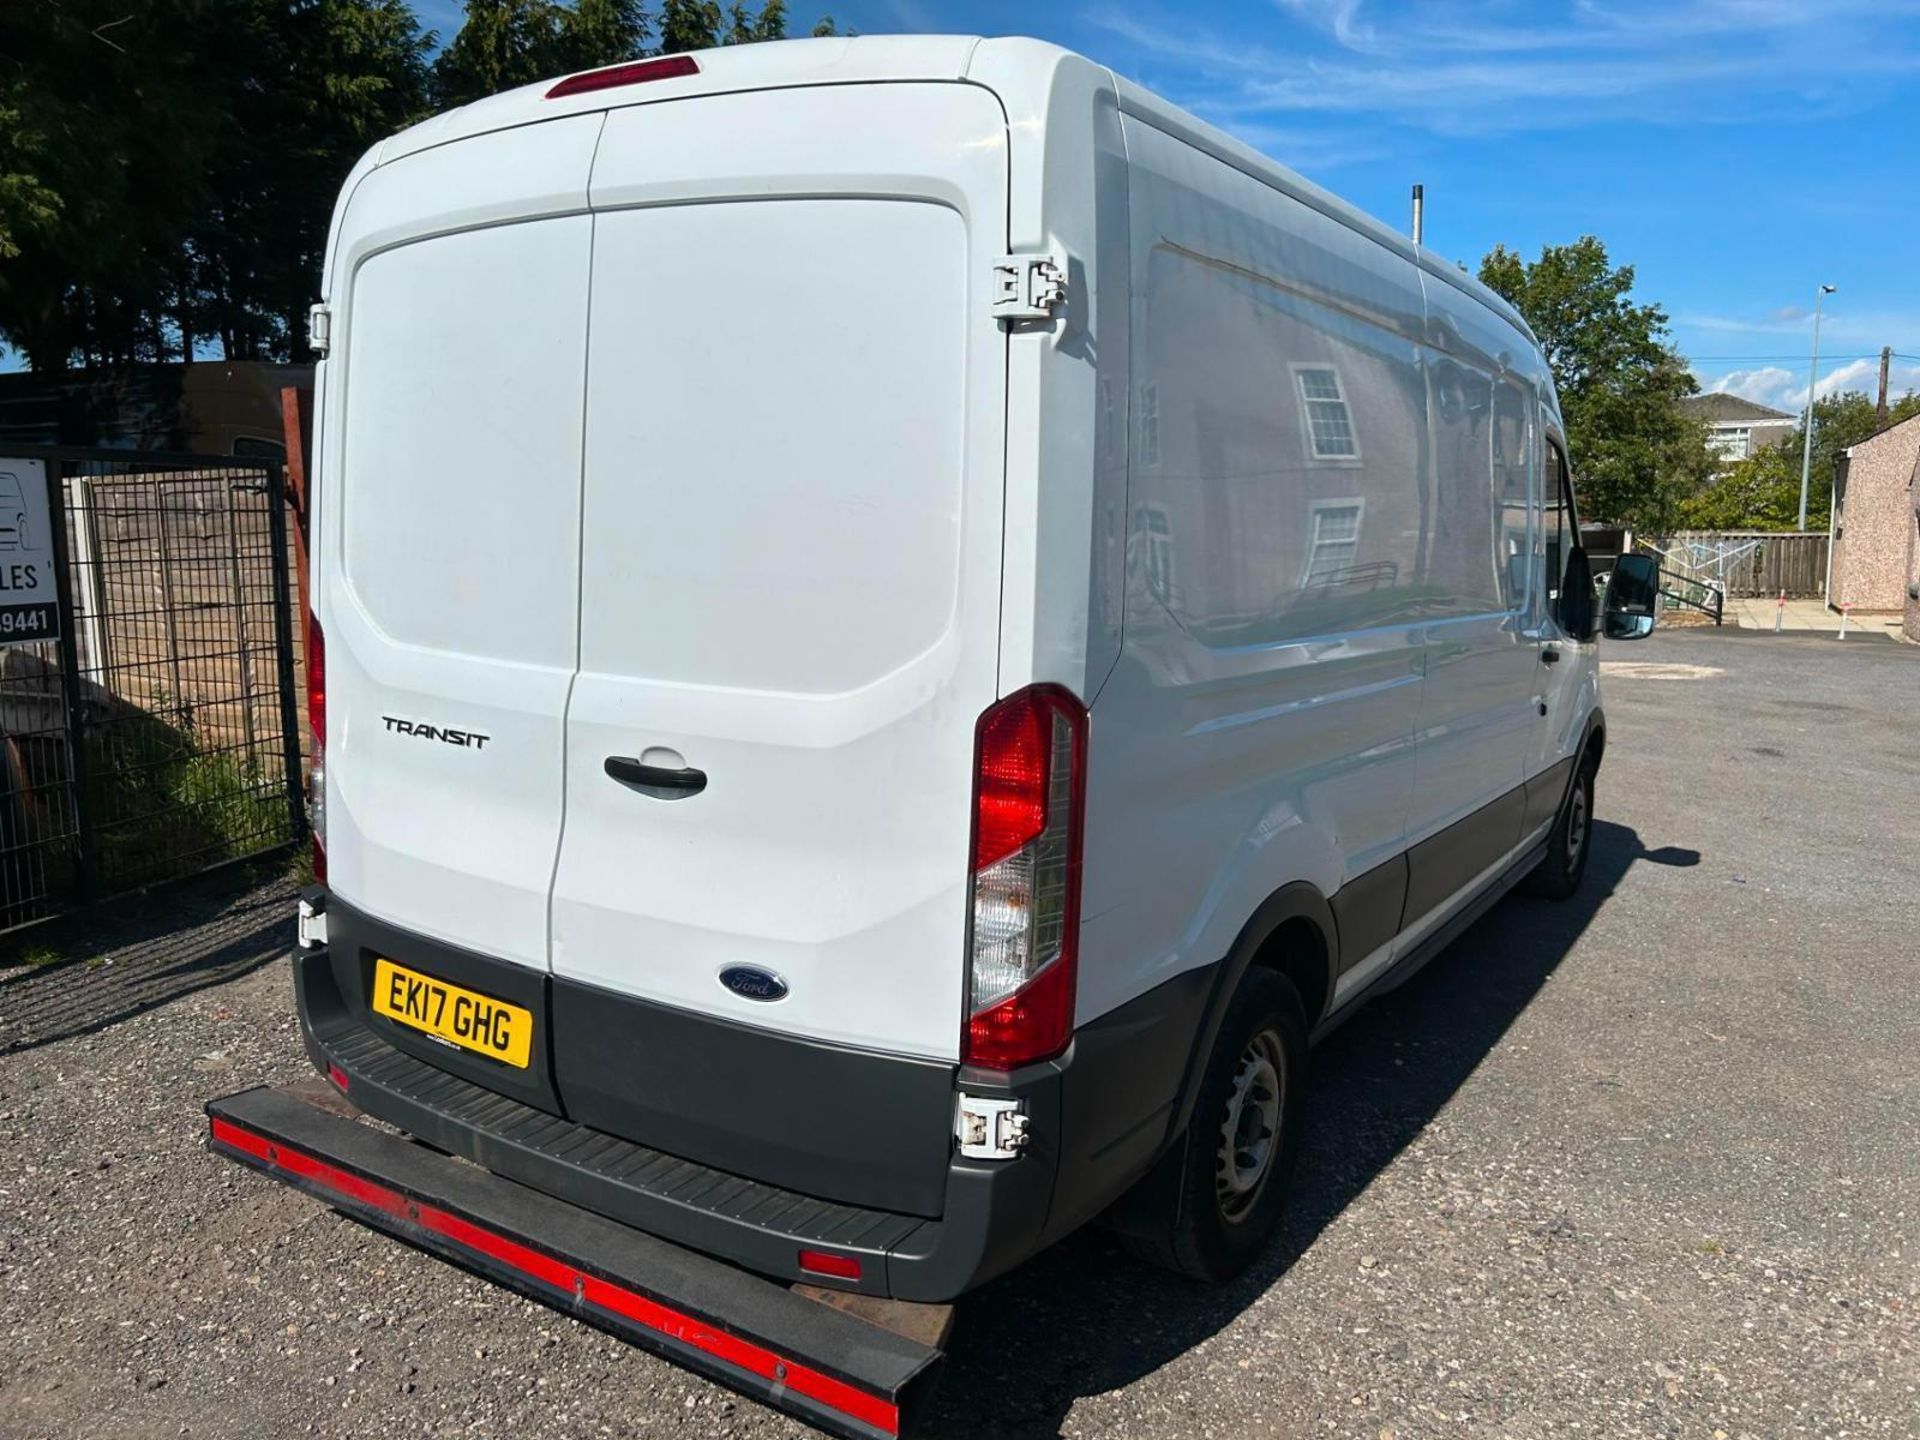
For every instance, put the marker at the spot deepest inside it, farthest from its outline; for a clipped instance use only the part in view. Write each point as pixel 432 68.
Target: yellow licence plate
pixel 458 1016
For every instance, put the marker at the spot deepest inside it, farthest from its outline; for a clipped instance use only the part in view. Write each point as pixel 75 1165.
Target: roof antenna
pixel 1419 213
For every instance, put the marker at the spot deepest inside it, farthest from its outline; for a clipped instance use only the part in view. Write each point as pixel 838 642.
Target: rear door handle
pixel 1548 656
pixel 657 780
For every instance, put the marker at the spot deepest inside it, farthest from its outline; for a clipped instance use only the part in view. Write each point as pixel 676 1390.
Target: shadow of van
pixel 1083 1319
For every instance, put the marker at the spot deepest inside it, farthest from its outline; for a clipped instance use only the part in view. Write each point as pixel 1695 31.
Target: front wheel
pixel 1559 874
pixel 1219 1193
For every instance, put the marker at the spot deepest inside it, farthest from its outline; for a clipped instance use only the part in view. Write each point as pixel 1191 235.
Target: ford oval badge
pixel 752 983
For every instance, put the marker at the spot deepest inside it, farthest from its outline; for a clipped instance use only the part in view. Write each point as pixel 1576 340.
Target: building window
pixel 1730 442
pixel 1333 541
pixel 1329 424
pixel 1157 530
pixel 1150 423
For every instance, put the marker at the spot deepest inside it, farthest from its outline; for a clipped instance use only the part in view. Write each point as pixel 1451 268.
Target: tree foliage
pixel 1762 492
pixel 176 163
pixel 508 43
pixel 168 169
pixel 1636 453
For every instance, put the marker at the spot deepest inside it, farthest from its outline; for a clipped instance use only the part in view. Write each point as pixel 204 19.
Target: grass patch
pixel 300 867
pixel 166 806
pixel 40 956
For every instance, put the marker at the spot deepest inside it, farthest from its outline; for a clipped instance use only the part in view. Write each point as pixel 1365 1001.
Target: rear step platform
pixel 815 1361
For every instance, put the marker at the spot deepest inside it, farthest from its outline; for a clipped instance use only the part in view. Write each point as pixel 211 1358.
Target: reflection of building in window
pixel 1150 423
pixel 1329 423
pixel 1157 531
pixel 1333 540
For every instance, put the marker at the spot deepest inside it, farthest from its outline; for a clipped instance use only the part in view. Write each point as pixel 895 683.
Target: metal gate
pixel 156 733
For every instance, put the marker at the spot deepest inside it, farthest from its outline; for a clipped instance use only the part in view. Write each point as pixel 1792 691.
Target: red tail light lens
pixel 317 719
pixel 665 67
pixel 316 680
pixel 1023 935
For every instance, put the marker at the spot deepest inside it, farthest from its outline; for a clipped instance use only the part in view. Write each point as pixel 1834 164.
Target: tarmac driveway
pixel 1643 1164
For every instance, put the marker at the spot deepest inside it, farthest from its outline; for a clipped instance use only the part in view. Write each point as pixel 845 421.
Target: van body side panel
pixel 448 529
pixel 1483 683
pixel 790 567
pixel 1064 566
pixel 1258 728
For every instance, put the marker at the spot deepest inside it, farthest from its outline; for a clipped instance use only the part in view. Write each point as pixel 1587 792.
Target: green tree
pixel 501 44
pixel 178 163
pixel 105 138
pixel 772 21
pixel 602 32
pixel 689 25
pixel 1636 454
pixel 1762 492
pixel 702 24
pixel 304 88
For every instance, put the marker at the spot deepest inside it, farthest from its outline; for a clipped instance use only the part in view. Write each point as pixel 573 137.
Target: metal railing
pixel 157 735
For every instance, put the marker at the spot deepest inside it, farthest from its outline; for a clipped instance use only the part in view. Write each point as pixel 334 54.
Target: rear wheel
pixel 1213 1202
pixel 1559 874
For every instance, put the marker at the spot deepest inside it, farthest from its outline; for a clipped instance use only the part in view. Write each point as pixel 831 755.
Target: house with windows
pixel 1737 428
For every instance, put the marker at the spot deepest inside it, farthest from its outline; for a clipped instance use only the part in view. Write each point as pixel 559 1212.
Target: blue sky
pixel 1736 152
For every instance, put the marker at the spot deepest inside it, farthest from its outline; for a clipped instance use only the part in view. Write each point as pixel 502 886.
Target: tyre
pixel 1211 1205
pixel 1559 874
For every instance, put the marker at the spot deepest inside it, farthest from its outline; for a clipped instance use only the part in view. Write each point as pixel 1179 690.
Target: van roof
pixel 845 60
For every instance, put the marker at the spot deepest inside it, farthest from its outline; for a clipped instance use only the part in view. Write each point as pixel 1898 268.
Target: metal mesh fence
pixel 155 737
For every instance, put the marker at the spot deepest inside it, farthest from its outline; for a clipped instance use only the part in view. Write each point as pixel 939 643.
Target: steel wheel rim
pixel 1250 1129
pixel 1576 826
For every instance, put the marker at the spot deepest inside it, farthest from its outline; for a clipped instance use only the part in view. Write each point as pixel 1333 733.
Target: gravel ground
pixel 1643 1164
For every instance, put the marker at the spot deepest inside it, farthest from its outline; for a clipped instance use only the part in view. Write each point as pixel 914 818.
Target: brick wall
pixel 1913 561
pixel 1871 550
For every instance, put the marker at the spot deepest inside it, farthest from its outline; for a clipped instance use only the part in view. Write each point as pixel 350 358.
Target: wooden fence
pixel 1748 562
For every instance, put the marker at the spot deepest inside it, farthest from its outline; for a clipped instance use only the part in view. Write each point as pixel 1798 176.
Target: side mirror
pixel 1632 604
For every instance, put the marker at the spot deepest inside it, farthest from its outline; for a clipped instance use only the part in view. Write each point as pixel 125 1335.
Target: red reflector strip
pixel 822 1262
pixel 616 1299
pixel 338 1077
pixel 664 67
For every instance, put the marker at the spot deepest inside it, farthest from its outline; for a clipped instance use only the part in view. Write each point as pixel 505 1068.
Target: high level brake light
pixel 663 67
pixel 317 720
pixel 1023 937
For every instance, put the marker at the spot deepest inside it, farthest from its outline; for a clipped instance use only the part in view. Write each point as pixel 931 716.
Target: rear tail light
pixel 1023 936
pixel 664 67
pixel 317 720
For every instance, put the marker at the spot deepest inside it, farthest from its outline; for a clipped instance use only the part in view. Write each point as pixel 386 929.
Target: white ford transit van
pixel 898 625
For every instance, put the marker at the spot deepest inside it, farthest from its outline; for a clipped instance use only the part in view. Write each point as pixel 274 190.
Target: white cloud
pixel 1786 389
pixel 1468 68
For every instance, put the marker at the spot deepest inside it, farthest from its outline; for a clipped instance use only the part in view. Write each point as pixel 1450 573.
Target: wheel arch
pixel 1293 933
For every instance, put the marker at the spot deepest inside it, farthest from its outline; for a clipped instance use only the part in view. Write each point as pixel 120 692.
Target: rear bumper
pixel 991 1215
pixel 835 1371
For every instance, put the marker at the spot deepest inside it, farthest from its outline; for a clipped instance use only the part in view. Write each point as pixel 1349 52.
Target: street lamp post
pixel 1813 375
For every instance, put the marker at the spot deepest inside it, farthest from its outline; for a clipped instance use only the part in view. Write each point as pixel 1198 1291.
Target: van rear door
pixel 790 565
pixel 449 529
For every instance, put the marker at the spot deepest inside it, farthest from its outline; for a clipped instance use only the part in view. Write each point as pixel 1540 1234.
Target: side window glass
pixel 1554 527
pixel 1513 553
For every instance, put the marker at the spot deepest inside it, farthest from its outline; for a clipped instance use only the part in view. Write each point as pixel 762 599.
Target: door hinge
pixel 990 1129
pixel 313 918
pixel 1028 287
pixel 319 328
